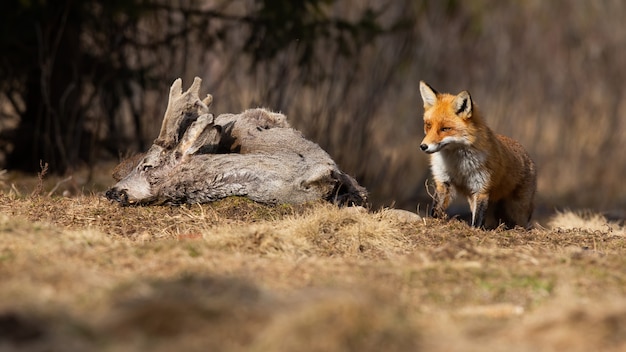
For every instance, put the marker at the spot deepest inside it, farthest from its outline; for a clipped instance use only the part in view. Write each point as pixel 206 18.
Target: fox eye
pixel 427 126
pixel 445 129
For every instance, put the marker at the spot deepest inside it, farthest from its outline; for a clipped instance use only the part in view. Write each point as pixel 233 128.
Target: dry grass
pixel 83 274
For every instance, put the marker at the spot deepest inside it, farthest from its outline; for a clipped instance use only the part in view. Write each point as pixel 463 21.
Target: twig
pixel 40 176
pixel 432 195
pixel 3 174
pixel 58 184
pixel 17 191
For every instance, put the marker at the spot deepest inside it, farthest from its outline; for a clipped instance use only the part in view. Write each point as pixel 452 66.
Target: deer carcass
pixel 256 154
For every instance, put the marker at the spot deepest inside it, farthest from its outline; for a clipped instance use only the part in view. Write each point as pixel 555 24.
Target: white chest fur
pixel 463 167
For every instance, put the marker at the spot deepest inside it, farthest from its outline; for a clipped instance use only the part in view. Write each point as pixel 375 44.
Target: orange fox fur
pixel 494 172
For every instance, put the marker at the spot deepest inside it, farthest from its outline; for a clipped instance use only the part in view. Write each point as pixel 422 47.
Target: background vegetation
pixel 85 81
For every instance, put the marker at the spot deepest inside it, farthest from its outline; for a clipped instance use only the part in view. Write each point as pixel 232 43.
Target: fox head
pixel 447 119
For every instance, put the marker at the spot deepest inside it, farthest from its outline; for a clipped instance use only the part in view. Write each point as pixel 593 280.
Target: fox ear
pixel 463 105
pixel 429 95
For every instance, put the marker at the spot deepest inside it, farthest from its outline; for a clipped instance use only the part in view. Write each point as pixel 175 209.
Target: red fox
pixel 494 172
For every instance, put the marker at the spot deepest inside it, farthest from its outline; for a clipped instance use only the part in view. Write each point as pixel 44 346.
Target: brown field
pixel 79 273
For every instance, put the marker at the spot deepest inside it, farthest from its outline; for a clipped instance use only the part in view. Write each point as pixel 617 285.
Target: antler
pixel 201 134
pixel 182 110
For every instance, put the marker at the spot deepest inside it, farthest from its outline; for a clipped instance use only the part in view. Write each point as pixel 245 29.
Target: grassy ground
pixel 84 274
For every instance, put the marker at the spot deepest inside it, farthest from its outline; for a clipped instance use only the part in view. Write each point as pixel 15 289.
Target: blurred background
pixel 86 82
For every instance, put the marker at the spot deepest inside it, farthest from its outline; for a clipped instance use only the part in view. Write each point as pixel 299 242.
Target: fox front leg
pixel 478 204
pixel 441 200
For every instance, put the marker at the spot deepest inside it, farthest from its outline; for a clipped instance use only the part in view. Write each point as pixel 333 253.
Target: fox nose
pixel 423 147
